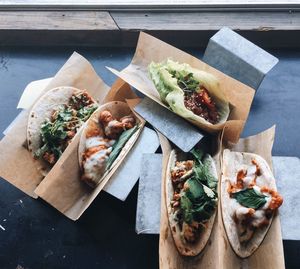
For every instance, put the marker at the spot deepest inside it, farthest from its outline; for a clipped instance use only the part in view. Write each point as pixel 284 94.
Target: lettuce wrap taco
pixel 191 93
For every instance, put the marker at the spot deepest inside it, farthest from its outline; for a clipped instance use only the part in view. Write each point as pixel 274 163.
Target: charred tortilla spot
pixel 166 233
pixel 225 242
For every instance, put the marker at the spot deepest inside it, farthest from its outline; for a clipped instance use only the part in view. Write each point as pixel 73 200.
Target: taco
pixel 190 93
pixel 54 121
pixel 191 196
pixel 249 200
pixel 107 137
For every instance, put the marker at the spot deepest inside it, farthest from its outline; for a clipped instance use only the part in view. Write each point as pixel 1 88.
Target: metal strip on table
pixel 169 124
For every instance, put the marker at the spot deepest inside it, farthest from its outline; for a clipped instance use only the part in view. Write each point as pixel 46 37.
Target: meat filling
pixel 201 104
pixel 100 137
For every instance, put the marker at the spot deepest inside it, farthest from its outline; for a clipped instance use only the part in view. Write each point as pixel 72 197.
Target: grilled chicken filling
pixel 101 136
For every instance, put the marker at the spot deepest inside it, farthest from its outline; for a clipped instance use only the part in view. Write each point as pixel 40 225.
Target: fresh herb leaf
pixel 117 147
pixel 64 123
pixel 198 172
pixel 197 201
pixel 209 192
pixel 193 189
pixel 211 180
pixel 186 207
pixel 250 198
pixel 85 112
pixel 198 154
pixel 40 152
pixel 204 211
pixel 185 81
pixel 202 170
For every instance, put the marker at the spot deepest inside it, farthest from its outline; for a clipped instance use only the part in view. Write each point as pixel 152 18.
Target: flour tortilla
pixel 185 248
pixel 230 166
pixel 42 110
pixel 118 110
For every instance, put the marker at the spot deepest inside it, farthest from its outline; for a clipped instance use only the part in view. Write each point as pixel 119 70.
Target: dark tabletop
pixel 38 236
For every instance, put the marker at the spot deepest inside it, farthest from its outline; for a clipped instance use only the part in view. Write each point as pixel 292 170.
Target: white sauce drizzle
pixel 94 167
pixel 241 212
pixel 110 126
pixel 98 141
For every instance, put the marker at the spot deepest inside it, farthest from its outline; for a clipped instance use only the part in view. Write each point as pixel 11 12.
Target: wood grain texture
pixel 258 21
pixel 121 29
pixel 56 20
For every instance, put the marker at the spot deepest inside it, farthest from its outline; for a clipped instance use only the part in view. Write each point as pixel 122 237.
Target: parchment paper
pixel 32 92
pixel 218 253
pixel 151 49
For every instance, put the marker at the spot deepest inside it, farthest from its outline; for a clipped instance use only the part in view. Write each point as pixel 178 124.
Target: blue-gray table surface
pixel 37 236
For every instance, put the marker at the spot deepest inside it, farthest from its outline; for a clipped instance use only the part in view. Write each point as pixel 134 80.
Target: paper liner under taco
pixel 186 248
pixel 43 109
pixel 118 110
pixel 232 161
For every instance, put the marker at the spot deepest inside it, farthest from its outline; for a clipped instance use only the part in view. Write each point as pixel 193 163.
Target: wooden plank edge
pixel 202 21
pixel 120 36
pixel 57 20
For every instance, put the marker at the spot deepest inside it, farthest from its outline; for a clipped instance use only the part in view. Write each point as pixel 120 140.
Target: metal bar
pixel 293 6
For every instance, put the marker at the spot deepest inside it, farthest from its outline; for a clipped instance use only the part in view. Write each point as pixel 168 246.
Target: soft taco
pixel 107 137
pixel 191 196
pixel 54 121
pixel 191 93
pixel 249 200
